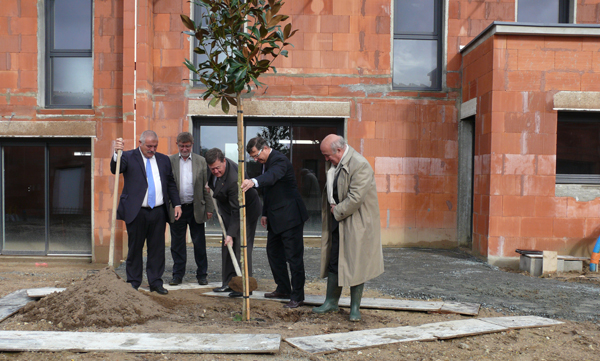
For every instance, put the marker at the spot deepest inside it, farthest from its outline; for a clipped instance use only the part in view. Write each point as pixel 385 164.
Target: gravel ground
pixel 444 274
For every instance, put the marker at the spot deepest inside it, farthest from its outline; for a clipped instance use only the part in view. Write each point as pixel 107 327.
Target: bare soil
pixel 103 302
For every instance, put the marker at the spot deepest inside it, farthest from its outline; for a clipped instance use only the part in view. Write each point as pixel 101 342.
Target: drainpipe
pixel 595 257
pixel 135 74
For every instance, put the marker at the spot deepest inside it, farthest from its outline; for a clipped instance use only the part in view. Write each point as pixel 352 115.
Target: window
pixel 543 11
pixel 578 148
pixel 417 44
pixel 69 66
pixel 199 11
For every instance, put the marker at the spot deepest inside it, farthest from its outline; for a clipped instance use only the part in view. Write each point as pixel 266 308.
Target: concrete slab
pixel 43 341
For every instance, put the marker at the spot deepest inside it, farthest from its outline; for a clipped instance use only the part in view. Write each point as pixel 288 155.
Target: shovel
pixel 237 282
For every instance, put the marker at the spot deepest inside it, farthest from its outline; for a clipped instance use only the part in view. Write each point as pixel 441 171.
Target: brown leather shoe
pixel 276 294
pixel 294 304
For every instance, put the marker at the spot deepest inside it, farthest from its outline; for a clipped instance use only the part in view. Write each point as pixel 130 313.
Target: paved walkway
pixel 449 275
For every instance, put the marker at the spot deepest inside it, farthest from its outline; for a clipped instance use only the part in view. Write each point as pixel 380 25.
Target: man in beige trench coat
pixel 351 251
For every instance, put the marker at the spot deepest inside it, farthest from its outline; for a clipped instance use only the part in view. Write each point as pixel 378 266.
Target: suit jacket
pixel 135 186
pixel 226 193
pixel 202 201
pixel 283 205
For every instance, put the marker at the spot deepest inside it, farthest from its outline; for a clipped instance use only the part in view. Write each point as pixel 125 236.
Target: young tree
pixel 238 40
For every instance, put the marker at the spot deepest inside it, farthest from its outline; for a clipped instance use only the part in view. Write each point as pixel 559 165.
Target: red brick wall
pixel 519 133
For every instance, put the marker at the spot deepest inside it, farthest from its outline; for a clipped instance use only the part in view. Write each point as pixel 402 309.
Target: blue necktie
pixel 151 190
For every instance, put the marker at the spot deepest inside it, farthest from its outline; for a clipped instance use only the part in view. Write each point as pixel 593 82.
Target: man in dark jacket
pixel 148 188
pixel 284 214
pixel 224 183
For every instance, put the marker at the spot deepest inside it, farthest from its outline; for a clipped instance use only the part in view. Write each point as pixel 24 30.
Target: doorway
pixel 297 138
pixel 464 208
pixel 46 197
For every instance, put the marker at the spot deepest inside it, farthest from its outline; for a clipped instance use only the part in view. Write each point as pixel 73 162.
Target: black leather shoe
pixel 237 294
pixel 159 289
pixel 276 295
pixel 135 288
pixel 222 289
pixel 202 281
pixel 294 304
pixel 175 281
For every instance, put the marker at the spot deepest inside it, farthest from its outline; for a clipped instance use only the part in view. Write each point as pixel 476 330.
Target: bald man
pixel 351 251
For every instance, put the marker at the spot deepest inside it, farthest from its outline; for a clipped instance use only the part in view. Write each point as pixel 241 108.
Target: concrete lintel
pixel 16 128
pixel 468 108
pixel 577 100
pixel 268 108
pixel 510 28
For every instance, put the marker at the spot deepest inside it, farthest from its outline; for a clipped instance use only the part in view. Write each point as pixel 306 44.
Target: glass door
pixel 298 139
pixel 46 205
pixel 24 199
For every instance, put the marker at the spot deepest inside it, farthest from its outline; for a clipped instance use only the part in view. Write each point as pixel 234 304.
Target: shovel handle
pixel 113 220
pixel 238 272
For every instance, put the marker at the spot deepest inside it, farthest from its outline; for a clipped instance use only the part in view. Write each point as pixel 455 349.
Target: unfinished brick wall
pixel 516 137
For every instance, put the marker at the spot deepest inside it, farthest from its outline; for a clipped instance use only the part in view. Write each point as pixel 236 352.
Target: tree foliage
pixel 240 40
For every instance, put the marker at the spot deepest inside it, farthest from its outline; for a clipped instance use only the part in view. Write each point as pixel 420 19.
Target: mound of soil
pixel 102 300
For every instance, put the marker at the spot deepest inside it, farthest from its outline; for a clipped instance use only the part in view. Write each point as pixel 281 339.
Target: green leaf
pixel 287 30
pixel 284 53
pixel 214 101
pixel 225 105
pixel 189 23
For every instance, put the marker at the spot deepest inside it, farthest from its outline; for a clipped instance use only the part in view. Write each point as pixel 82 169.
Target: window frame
pixel 51 53
pixel 437 35
pixel 565 11
pixel 579 117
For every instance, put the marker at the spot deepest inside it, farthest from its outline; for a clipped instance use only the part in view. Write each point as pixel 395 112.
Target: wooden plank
pixel 461 328
pixel 188 286
pixel 470 309
pixel 13 302
pixel 427 332
pixel 515 322
pixel 43 292
pixel 359 339
pixel 138 342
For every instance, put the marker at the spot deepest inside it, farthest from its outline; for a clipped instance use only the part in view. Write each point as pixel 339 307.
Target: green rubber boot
pixel 355 297
pixel 332 297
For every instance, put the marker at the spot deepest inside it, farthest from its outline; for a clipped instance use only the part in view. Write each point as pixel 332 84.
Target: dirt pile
pixel 102 300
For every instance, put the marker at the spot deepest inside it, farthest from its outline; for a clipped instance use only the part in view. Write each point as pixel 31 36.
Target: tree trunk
pixel 242 202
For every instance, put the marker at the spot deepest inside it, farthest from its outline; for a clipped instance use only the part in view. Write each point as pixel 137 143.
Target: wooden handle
pixel 238 272
pixel 113 221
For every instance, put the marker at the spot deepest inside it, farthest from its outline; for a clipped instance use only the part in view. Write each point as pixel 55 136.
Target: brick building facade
pixel 458 114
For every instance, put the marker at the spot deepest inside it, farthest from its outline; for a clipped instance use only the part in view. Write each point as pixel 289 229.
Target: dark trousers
pixel 334 254
pixel 149 225
pixel 178 247
pixel 286 248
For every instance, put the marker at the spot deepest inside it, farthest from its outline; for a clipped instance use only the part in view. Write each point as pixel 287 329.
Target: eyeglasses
pixel 186 146
pixel 255 157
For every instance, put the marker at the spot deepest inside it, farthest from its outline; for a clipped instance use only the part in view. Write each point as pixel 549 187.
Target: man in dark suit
pixel 284 214
pixel 148 188
pixel 197 207
pixel 224 183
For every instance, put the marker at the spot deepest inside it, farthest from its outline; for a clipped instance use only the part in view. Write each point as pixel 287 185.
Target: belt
pixel 187 204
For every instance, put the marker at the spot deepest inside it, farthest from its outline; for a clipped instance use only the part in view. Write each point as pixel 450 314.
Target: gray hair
pixel 340 143
pixel 148 134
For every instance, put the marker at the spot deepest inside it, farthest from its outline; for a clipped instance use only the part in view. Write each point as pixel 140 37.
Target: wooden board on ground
pixel 189 286
pixel 514 322
pixel 43 292
pixel 13 302
pixel 427 332
pixel 470 309
pixel 138 342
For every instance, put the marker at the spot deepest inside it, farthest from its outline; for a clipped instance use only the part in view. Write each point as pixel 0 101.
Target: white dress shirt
pixel 186 180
